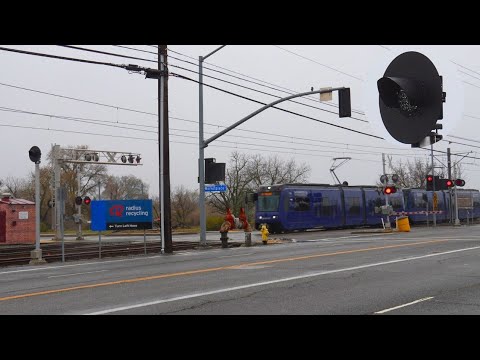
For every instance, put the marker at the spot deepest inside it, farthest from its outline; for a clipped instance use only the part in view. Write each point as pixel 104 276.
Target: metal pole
pixel 201 158
pixel 37 206
pixel 61 210
pixel 433 174
pixel 99 233
pixel 457 221
pixel 201 147
pixel 56 169
pixel 387 225
pixel 79 207
pixel 449 167
pixel 145 241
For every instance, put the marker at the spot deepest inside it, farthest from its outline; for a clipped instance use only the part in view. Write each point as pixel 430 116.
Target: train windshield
pixel 268 201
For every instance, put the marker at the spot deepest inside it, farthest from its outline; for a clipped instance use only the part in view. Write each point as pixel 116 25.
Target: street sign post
pixel 121 214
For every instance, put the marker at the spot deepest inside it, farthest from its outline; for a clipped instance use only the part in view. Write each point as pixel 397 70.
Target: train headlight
pixel 274 216
pixel 260 217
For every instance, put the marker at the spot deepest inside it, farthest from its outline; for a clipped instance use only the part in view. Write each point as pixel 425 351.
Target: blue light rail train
pixel 298 207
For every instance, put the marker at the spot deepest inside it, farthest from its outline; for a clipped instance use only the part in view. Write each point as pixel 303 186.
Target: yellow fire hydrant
pixel 265 233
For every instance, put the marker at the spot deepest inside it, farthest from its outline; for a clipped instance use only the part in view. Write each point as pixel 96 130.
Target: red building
pixel 17 220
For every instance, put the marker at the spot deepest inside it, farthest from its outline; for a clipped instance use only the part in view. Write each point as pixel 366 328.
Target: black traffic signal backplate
pixel 410 97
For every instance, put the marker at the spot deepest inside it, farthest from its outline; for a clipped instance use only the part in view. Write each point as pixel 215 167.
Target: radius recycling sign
pixel 121 214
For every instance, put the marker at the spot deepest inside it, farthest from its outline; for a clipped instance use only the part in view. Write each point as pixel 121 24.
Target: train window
pixel 268 203
pixel 327 208
pixel 352 205
pixel 419 200
pixel 476 200
pixel 301 201
pixel 464 201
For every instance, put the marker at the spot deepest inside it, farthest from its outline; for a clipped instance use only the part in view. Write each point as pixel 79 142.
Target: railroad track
pixel 20 255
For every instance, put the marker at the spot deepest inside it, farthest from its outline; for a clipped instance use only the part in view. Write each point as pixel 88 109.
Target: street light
pixel 201 160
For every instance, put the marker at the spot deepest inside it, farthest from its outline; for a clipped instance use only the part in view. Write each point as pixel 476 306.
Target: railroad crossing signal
pixel 79 200
pixel 389 190
pixel 460 182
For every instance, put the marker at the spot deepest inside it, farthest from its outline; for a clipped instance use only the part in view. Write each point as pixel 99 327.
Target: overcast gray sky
pixel 294 68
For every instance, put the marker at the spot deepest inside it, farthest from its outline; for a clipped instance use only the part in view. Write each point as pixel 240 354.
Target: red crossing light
pixel 460 182
pixel 87 200
pixel 390 190
pixel 449 183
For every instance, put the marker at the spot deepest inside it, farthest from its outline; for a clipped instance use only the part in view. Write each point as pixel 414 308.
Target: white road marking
pixel 263 283
pixel 88 272
pixel 401 306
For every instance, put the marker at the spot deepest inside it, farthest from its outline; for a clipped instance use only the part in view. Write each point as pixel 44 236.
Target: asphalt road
pixel 426 271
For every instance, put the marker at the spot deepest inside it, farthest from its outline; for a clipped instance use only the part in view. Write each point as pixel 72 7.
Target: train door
pixel 476 204
pixel 299 210
pixel 354 207
pixel 327 209
pixel 3 226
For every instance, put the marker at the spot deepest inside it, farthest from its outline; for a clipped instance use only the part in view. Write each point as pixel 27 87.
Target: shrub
pixel 44 227
pixel 214 223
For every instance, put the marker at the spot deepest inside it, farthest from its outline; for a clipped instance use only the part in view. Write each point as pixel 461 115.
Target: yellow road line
pixel 201 271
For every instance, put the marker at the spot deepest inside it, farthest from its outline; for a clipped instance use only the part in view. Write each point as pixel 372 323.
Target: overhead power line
pixel 275 107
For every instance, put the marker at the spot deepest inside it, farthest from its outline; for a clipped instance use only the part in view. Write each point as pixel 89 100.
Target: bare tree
pixel 18 187
pixel 124 187
pixel 246 172
pixel 184 202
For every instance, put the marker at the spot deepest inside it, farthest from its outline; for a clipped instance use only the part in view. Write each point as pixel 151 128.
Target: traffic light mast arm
pixel 223 132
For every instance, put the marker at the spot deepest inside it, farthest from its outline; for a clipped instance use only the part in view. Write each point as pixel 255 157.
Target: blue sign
pixel 212 188
pixel 121 214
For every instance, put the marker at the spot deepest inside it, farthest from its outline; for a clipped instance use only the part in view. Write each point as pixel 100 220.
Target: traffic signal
pixel 389 190
pixel 35 154
pixel 460 182
pixel 344 103
pixel 429 179
pixel 411 99
pixel 87 200
pixel 214 171
pixel 78 200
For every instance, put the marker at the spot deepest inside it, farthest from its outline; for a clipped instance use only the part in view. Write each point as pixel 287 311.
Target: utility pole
pixel 164 154
pixel 449 167
pixel 387 225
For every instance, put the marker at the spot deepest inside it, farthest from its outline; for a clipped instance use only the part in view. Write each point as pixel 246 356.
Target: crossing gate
pixel 401 213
